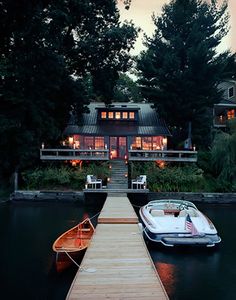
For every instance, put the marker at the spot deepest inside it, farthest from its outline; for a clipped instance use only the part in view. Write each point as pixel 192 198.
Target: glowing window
pixel 124 115
pixel 118 115
pixel 230 114
pixel 111 115
pixel 99 142
pixel 131 115
pixel 103 114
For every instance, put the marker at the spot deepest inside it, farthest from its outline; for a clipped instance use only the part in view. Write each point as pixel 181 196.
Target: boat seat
pixel 157 213
pixel 183 213
pixel 191 213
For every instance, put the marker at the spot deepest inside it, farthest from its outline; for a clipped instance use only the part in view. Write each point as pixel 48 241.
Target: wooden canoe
pixel 72 243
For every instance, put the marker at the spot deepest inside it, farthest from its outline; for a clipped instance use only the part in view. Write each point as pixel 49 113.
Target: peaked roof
pixel 148 124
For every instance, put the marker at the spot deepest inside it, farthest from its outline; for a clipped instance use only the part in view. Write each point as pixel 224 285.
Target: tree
pixel 180 69
pixel 36 87
pixel 223 156
pixel 127 90
pixel 101 45
pixel 49 49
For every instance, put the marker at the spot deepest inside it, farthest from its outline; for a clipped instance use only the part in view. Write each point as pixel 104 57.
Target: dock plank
pixel 123 270
pixel 117 210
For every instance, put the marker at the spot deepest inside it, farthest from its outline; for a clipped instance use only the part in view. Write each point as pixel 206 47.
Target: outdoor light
pixel 71 140
pixel 105 146
pixel 194 148
pixel 42 145
pixel 74 145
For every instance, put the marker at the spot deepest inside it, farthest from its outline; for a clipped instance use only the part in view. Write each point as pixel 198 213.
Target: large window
pixel 148 143
pixel 99 142
pixel 88 142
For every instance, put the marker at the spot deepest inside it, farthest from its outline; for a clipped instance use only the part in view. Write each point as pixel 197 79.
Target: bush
pixel 63 177
pixel 171 179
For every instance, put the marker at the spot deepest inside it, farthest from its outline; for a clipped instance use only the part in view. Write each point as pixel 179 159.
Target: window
pixel 110 115
pixel 88 142
pixel 131 115
pixel 231 92
pixel 125 115
pixel 136 143
pixel 230 114
pixel 117 114
pixel 99 142
pixel 103 114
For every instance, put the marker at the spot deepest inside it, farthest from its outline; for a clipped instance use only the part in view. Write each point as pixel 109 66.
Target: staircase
pixel 118 180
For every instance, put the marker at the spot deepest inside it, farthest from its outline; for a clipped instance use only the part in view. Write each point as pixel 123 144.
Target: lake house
pixel 225 109
pixel 120 131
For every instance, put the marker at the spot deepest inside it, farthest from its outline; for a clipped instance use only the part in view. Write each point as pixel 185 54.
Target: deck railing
pixel 163 155
pixel 74 154
pixel 133 155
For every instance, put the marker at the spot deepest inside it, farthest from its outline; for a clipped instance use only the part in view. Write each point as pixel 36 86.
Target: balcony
pixel 163 155
pixel 74 154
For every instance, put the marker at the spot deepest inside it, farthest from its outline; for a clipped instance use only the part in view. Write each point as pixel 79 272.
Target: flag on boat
pixel 190 226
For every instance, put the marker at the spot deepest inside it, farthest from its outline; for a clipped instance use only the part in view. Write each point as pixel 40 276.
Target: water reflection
pixel 197 273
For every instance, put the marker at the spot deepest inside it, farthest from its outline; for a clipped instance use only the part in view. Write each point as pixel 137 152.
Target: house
pixel 226 108
pixel 125 131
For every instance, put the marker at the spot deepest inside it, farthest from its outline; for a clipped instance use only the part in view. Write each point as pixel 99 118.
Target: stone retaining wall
pixel 47 196
pixel 227 198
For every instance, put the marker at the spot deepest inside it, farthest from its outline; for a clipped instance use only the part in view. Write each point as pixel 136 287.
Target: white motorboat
pixel 176 222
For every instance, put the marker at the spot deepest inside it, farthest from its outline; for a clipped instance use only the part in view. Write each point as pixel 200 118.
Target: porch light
pixel 125 157
pixel 108 179
pixel 194 148
pixel 42 145
pixel 110 166
pixel 71 140
pixel 164 141
pixel 73 163
pixel 105 146
pixel 73 145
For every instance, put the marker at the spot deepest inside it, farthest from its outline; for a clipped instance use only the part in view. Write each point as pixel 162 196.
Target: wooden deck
pixel 117 264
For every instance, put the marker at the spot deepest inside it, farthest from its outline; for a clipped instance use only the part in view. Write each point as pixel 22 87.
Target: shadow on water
pixel 28 230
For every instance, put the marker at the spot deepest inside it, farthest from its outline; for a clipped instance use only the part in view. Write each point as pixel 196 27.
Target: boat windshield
pixel 170 203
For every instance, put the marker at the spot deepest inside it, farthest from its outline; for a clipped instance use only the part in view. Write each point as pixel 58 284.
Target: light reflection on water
pixel 197 273
pixel 27 260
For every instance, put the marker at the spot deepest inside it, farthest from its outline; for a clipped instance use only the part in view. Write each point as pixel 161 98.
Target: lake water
pixel 27 268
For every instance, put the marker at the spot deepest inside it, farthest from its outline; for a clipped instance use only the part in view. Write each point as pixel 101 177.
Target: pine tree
pixel 181 68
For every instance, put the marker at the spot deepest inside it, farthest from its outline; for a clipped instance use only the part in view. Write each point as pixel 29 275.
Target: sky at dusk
pixel 141 11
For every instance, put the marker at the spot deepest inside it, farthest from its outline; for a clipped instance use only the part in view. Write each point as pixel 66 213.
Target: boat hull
pixel 72 243
pixel 63 261
pixel 171 240
pixel 175 222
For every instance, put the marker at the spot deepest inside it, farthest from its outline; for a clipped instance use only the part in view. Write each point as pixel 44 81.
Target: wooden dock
pixel 117 264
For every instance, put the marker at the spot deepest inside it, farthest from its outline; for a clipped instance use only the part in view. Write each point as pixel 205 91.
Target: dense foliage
pixel 184 178
pixel 63 177
pixel 180 69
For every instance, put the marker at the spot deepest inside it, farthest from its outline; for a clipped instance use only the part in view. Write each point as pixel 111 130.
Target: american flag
pixel 190 226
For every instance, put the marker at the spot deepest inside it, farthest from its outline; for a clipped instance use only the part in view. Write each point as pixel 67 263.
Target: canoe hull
pixel 72 243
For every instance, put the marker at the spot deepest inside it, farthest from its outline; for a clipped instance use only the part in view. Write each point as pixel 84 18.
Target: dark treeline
pixel 54 55
pixel 57 55
pixel 181 68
